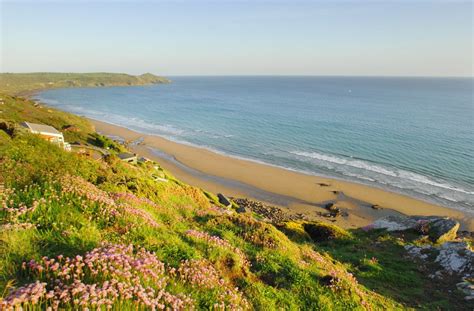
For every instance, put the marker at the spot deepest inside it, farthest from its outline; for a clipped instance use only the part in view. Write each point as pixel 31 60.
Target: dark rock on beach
pixel 323 184
pixel 334 211
pixel 329 206
pixel 241 210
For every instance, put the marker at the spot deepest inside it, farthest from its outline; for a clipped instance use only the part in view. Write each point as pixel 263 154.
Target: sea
pixel 413 136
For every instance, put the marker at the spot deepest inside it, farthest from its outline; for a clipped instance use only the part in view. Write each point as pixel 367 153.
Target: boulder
pixel 329 206
pixel 334 211
pixel 421 252
pixel 442 230
pixel 457 258
pixel 467 288
pixel 394 223
pixel 439 229
pixel 224 200
pixel 241 210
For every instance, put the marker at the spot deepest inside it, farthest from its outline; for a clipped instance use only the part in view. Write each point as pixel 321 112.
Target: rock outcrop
pixel 453 259
pixel 439 229
pixel 467 288
pixel 442 230
pixel 394 223
pixel 456 257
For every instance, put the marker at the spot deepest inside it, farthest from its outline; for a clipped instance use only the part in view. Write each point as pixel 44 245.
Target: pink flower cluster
pixel 147 217
pixel 133 199
pixel 32 293
pixel 81 187
pixel 217 241
pixel 213 210
pixel 14 212
pixel 107 276
pixel 125 200
pixel 346 281
pixel 314 256
pixel 200 273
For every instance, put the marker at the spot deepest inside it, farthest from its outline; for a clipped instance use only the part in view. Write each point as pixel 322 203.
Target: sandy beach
pixel 293 191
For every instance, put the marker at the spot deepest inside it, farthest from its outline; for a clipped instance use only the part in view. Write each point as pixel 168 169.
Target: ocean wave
pixel 354 163
pixel 392 177
pixel 447 197
pixel 425 180
pixel 132 123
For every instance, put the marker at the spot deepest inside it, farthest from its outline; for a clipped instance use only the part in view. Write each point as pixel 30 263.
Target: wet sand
pixel 293 191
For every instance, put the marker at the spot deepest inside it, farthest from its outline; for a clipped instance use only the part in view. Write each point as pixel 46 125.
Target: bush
pixel 320 232
pixel 102 141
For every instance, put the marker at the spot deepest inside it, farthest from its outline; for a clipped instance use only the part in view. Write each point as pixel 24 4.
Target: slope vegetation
pixel 79 233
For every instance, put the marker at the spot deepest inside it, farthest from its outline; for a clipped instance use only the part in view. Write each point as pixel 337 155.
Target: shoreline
pixel 293 191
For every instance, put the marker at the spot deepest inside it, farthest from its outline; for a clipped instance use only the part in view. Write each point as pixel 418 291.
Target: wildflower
pixel 218 242
pixel 114 273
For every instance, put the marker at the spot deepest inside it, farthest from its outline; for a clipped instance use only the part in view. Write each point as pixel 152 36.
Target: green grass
pixel 77 208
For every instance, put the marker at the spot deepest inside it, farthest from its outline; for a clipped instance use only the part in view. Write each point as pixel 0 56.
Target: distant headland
pixel 24 83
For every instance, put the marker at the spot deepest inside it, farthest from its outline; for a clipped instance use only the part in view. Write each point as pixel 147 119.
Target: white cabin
pixel 47 132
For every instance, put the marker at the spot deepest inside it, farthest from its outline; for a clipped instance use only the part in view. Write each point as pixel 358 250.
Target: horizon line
pixel 248 75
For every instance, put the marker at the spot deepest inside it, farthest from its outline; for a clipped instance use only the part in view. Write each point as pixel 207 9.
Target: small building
pixel 128 157
pixel 48 133
pixel 143 160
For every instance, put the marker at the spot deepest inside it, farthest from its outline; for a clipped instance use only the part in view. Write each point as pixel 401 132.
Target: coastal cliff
pixel 85 230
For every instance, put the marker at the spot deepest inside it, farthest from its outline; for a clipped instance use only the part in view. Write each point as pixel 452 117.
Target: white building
pixel 48 133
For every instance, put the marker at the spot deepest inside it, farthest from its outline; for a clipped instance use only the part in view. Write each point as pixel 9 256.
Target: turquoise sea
pixel 409 135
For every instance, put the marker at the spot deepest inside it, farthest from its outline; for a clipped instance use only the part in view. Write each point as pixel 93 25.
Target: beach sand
pixel 293 191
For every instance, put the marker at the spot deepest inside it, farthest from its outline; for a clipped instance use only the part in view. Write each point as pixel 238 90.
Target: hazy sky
pixel 239 37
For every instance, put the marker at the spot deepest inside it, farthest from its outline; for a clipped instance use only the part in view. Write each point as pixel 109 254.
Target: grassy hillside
pixel 14 83
pixel 79 233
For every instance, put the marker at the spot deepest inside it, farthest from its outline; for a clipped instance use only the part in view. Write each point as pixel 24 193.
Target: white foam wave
pixel 425 180
pixel 354 163
pixel 394 177
pixel 447 197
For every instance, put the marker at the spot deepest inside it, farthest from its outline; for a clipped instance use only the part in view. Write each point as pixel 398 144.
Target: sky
pixel 381 38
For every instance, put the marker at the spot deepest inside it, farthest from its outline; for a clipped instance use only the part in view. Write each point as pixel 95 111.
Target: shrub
pixel 104 142
pixel 320 232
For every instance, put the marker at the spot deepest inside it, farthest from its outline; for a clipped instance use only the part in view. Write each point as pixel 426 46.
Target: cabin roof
pixel 42 129
pixel 126 155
